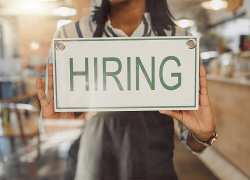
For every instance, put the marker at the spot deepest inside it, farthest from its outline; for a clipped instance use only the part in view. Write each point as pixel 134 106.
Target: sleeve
pixel 58 34
pixel 184 133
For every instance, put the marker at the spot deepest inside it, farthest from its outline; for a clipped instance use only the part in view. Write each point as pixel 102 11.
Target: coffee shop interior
pixel 26 31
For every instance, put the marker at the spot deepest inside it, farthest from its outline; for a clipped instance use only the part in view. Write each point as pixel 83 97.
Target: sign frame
pixel 136 108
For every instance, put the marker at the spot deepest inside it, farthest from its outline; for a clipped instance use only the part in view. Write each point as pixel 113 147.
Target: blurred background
pixel 26 30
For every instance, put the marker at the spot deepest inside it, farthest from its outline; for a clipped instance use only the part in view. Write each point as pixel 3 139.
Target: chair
pixel 19 126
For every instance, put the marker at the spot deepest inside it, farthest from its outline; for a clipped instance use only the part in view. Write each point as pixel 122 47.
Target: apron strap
pixel 79 33
pixel 173 31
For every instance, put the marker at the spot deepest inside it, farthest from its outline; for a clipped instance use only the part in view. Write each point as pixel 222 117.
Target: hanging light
pixel 215 4
pixel 64 11
pixel 184 23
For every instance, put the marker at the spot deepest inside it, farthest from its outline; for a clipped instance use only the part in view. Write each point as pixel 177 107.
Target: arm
pixel 201 121
pixel 195 145
pixel 47 101
pixel 47 105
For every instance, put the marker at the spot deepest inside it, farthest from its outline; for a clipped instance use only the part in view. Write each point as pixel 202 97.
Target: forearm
pixel 195 145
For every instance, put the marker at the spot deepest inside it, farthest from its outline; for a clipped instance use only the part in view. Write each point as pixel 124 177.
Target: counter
pixel 228 80
pixel 230 99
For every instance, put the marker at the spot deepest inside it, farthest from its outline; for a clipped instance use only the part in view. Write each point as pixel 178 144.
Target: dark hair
pixel 160 15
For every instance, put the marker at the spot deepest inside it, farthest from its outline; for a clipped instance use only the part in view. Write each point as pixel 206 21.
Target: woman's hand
pixel 200 122
pixel 48 111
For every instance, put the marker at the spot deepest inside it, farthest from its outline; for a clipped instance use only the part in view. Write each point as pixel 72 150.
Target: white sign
pixel 126 74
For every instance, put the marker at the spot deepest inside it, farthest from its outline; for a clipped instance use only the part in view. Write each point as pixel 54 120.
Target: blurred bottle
pixel 5 115
pixel 214 67
pixel 227 67
pixel 242 67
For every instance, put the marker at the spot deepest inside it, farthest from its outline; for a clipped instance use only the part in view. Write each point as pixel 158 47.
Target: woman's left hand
pixel 201 121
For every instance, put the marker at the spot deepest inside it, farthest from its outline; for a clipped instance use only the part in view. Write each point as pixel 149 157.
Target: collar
pixel 143 30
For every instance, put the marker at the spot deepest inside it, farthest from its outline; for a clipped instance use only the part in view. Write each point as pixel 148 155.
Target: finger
pixel 50 82
pixel 203 81
pixel 40 92
pixel 175 114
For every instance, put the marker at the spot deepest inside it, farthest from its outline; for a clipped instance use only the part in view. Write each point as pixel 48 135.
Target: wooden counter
pixel 230 101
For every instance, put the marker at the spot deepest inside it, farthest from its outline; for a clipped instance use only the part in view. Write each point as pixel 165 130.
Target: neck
pixel 128 15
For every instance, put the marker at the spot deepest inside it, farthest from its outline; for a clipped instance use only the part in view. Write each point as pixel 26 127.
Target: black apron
pixel 123 146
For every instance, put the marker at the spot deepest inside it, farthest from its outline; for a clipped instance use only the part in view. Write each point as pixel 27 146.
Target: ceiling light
pixel 209 54
pixel 184 23
pixel 214 4
pixel 64 11
pixel 34 45
pixel 31 5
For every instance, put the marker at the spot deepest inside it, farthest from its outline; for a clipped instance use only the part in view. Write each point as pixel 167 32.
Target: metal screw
pixel 60 46
pixel 191 43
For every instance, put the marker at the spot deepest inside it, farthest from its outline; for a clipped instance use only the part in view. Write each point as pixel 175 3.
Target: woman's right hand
pixel 48 111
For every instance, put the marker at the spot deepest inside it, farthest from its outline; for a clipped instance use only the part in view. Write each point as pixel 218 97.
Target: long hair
pixel 160 15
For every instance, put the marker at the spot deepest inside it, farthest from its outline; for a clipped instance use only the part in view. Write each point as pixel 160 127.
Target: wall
pixel 35 29
pixel 245 8
pixel 82 7
pixel 233 5
pixel 40 29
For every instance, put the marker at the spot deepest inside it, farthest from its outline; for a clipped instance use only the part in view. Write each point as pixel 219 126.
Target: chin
pixel 119 1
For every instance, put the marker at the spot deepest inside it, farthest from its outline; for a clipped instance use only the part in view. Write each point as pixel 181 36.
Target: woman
pixel 129 145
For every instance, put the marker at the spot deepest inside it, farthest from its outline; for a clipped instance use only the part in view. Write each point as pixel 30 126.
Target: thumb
pixel 175 114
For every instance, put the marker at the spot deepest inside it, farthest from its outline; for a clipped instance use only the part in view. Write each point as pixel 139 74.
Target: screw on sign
pixel 191 43
pixel 60 46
